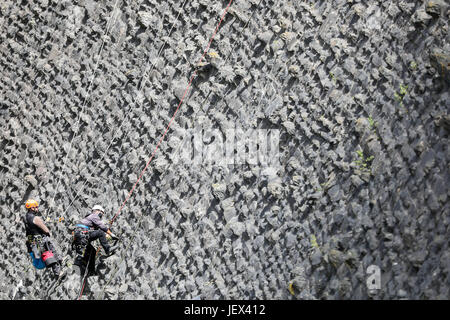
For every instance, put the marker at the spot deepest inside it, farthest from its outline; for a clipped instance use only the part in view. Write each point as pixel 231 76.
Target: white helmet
pixel 98 207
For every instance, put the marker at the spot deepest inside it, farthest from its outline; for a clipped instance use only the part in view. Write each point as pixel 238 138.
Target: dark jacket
pixel 30 228
pixel 93 221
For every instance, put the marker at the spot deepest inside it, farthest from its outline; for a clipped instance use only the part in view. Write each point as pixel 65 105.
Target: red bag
pixel 48 258
pixel 46 255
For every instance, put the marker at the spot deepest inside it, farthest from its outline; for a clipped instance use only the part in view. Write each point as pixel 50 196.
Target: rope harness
pixel 80 239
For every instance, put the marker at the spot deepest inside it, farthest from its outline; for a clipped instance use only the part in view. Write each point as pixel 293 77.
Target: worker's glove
pixel 114 237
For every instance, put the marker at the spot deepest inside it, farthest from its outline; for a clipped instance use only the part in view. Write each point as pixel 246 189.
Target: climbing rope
pixel 83 280
pixel 174 114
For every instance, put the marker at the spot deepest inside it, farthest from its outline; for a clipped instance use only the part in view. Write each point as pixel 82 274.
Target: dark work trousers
pixel 101 236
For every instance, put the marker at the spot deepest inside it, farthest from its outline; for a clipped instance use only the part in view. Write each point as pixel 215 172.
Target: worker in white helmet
pixel 92 228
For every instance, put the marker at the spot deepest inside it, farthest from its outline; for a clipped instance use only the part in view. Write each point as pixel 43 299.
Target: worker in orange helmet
pixel 39 244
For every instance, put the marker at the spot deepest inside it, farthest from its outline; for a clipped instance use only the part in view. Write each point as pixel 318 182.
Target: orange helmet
pixel 31 204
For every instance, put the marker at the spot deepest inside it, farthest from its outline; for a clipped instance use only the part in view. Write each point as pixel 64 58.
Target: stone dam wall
pixel 356 90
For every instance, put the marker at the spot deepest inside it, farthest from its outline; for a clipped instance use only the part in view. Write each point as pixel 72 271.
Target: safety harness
pixel 34 235
pixel 34 244
pixel 80 239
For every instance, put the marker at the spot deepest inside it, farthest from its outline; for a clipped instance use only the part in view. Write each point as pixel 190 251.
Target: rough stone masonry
pixel 357 89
